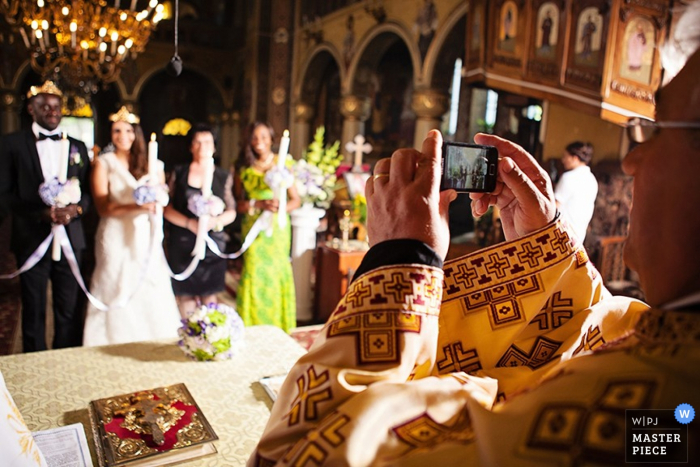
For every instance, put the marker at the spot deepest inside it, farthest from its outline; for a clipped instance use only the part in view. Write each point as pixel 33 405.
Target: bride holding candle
pixel 130 277
pixel 198 180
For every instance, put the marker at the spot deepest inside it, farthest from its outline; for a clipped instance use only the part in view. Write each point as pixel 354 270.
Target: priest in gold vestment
pixel 516 355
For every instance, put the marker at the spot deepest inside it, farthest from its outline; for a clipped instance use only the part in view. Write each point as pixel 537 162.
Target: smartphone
pixel 469 168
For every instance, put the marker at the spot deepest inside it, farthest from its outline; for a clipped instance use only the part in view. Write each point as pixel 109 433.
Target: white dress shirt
pixel 49 151
pixel 576 192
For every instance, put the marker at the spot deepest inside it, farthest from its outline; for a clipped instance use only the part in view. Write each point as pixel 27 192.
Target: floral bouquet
pixel 145 194
pixel 205 206
pixel 212 332
pixel 278 177
pixel 55 193
pixel 359 208
pixel 314 174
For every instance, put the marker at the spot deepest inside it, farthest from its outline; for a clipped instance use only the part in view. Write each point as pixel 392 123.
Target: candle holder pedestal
pixel 305 221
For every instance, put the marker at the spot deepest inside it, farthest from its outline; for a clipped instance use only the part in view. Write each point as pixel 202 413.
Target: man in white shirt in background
pixel 577 188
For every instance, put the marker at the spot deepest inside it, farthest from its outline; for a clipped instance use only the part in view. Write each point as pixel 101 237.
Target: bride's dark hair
pixel 138 157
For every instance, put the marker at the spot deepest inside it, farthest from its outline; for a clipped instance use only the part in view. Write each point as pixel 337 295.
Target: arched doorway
pixel 191 97
pixel 385 75
pixel 321 90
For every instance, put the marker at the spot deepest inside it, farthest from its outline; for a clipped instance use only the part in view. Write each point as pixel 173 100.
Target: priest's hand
pixel 523 191
pixel 404 199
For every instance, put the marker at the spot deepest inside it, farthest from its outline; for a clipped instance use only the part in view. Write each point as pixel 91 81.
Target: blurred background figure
pixel 577 188
pixel 186 181
pixel 143 303
pixel 266 289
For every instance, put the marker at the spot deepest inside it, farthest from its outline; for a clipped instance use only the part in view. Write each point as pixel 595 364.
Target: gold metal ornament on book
pixel 152 418
pixel 145 415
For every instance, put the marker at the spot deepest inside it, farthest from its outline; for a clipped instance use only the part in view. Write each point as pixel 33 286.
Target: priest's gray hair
pixel 684 42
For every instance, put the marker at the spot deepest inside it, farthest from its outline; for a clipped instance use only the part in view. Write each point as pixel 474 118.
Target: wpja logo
pixel 657 436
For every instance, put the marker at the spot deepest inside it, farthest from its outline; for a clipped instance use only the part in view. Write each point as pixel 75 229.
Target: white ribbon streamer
pixel 262 223
pixel 33 258
pixel 59 236
pixel 200 245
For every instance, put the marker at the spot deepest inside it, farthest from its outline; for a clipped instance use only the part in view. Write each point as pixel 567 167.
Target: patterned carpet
pixel 9 294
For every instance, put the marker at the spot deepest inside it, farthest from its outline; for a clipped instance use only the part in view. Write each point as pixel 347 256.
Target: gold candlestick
pixel 345 228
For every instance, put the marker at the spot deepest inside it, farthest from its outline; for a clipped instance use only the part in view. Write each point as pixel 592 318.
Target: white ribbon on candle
pixel 153 159
pixel 281 189
pixel 200 245
pixel 62 177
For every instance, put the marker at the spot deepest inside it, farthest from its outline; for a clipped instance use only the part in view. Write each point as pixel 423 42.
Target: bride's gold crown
pixel 123 115
pixel 47 88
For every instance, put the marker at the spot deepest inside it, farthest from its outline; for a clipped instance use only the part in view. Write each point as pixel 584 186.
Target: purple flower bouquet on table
pixel 55 193
pixel 212 332
pixel 144 194
pixel 201 206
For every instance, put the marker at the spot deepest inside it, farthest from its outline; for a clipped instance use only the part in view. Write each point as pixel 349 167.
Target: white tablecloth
pixel 53 388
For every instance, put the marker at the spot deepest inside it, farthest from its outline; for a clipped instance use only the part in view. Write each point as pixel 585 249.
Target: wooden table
pixel 53 388
pixel 334 271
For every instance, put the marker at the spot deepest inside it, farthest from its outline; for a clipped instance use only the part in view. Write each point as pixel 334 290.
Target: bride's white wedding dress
pixel 121 249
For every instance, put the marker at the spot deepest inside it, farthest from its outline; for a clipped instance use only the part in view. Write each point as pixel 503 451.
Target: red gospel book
pixel 154 427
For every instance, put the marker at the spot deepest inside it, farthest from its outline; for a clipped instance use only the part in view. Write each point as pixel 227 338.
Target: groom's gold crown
pixel 123 115
pixel 47 88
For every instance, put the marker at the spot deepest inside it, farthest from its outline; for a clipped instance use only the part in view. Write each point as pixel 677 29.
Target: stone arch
pixel 146 76
pixel 317 97
pixel 193 96
pixel 446 47
pixel 319 58
pixel 19 75
pixel 370 50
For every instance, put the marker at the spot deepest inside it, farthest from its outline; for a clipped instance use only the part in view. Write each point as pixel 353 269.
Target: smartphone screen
pixel 469 168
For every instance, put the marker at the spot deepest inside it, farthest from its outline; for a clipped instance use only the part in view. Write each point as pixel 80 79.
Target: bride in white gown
pixel 122 247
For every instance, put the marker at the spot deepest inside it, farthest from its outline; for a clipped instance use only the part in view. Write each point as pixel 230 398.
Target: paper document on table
pixel 65 446
pixel 272 385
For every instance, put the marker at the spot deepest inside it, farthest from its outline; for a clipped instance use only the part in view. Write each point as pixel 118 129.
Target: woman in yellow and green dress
pixel 266 289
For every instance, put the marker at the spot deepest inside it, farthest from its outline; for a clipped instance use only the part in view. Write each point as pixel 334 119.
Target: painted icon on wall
pixel 508 30
pixel 547 32
pixel 589 33
pixel 638 51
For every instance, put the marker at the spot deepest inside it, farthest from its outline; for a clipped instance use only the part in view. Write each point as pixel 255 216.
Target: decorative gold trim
pixel 123 115
pixel 47 88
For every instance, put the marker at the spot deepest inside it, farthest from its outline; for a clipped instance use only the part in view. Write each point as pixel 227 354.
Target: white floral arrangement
pixel 315 174
pixel 55 193
pixel 146 193
pixel 213 332
pixel 205 206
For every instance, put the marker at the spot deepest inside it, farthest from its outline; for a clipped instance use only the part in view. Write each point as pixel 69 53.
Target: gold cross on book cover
pixel 158 426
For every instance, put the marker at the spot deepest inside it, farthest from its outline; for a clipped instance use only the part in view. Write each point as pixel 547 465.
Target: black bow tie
pixel 55 137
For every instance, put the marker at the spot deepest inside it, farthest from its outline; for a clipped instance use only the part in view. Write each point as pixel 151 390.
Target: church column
pixel 235 136
pixel 429 105
pixel 226 150
pixel 301 131
pixel 356 111
pixel 9 112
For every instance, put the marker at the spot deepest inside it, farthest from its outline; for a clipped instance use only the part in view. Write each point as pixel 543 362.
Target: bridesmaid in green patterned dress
pixel 266 290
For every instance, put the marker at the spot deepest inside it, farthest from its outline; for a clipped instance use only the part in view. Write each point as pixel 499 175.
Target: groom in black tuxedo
pixel 27 159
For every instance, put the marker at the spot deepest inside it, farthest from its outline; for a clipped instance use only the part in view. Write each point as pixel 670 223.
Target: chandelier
pixel 81 43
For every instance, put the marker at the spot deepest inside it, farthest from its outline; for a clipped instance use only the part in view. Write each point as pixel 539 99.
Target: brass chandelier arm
pixel 82 42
